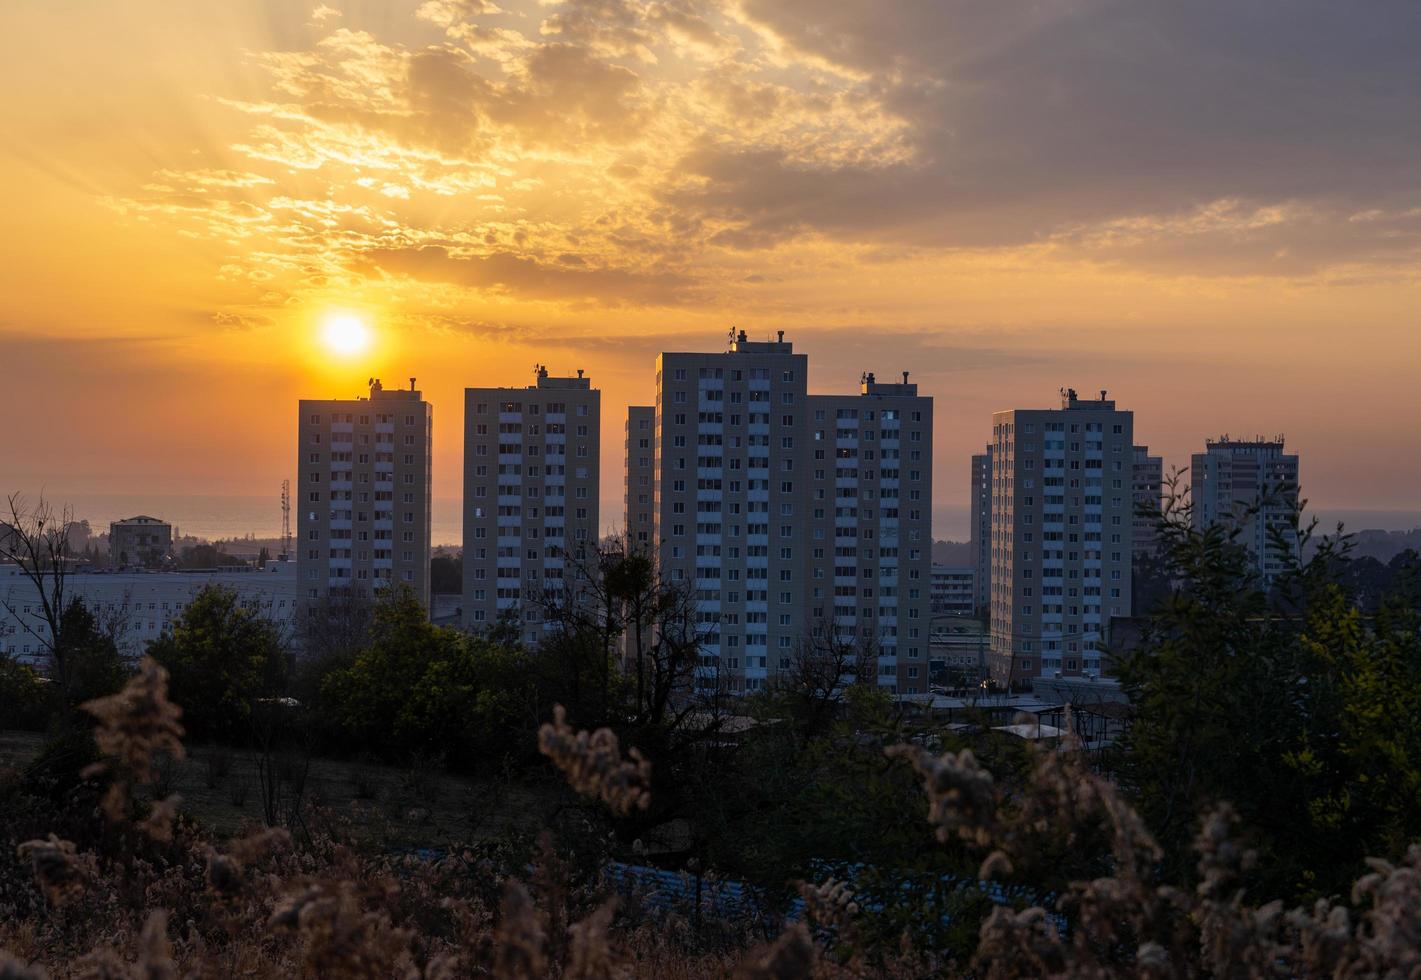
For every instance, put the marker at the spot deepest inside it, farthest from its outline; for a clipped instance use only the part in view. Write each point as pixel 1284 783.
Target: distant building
pixel 959 646
pixel 982 527
pixel 1147 484
pixel 11 540
pixel 138 606
pixel 362 503
pixel 954 590
pixel 641 475
pixel 1062 535
pixel 144 542
pixel 1251 485
pixel 531 481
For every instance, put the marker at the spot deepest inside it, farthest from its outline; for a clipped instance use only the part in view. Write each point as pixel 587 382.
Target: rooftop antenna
pixel 286 519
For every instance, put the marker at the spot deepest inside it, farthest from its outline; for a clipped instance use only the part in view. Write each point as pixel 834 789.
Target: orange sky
pixel 1212 211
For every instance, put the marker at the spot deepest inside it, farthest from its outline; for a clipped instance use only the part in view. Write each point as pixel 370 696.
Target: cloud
pixel 1031 118
pixel 619 152
pixel 531 278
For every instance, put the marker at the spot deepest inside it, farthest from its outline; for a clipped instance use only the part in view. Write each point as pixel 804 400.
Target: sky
pixel 1211 209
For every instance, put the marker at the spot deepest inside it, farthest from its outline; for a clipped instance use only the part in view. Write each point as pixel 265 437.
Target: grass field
pixel 387 806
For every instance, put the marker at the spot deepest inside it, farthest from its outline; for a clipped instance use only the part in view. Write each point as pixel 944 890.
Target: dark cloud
pixel 531 278
pixel 1029 117
pixel 567 94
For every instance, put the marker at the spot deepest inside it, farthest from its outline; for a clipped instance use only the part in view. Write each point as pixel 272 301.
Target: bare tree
pixel 825 663
pixel 336 626
pixel 583 610
pixel 616 592
pixel 36 540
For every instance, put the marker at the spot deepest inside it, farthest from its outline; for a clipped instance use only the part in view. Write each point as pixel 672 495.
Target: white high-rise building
pixel 789 515
pixel 362 501
pixel 641 476
pixel 1252 484
pixel 531 471
pixel 982 527
pixel 1148 486
pixel 870 547
pixel 1062 536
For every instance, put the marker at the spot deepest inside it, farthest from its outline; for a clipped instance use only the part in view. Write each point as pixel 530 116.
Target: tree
pixel 417 687
pixel 24 695
pixel 446 574
pixel 221 657
pixel 96 668
pixel 36 540
pixel 824 664
pixel 1285 701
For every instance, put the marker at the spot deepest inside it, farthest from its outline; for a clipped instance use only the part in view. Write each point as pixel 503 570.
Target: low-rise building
pixel 138 606
pixel 954 590
pixel 140 541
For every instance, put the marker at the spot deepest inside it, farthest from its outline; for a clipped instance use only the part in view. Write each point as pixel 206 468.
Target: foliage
pixel 96 668
pixel 446 575
pixel 1289 703
pixel 24 695
pixel 417 687
pixel 222 657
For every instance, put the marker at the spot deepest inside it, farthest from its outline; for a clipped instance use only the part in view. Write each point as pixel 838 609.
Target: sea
pixel 221 517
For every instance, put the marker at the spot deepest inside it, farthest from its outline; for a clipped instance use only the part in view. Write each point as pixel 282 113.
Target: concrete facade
pixel 531 471
pixel 954 590
pixel 1147 485
pixel 361 506
pixel 1062 536
pixel 638 500
pixel 870 547
pixel 982 526
pixel 143 542
pixel 1253 485
pixel 788 514
pixel 139 606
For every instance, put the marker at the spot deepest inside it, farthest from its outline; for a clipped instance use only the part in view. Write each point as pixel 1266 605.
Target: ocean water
pixel 218 516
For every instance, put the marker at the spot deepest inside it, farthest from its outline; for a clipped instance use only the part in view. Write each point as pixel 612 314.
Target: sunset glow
pixel 1004 199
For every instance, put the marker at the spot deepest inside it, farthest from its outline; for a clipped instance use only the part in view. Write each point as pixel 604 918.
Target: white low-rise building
pixel 137 606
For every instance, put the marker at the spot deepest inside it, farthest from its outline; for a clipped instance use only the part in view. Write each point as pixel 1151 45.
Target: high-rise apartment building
pixel 531 470
pixel 641 476
pixel 1062 536
pixel 870 519
pixel 789 515
pixel 982 527
pixel 1148 486
pixel 1252 484
pixel 363 497
pixel 730 500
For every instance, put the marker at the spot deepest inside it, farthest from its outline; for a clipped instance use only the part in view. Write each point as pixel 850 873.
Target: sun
pixel 345 334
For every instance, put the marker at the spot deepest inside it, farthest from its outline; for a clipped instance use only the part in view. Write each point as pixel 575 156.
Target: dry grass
pixel 387 806
pixel 132 903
